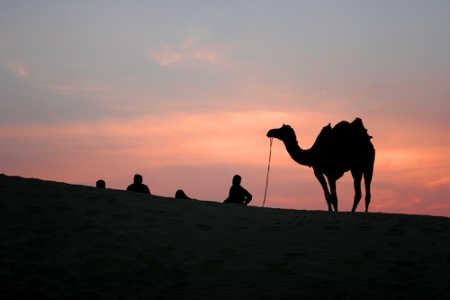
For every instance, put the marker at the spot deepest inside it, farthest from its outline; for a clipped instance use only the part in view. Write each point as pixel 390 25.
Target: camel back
pixel 342 137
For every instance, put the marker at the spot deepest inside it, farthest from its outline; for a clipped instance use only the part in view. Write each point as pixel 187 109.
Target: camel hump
pixel 345 128
pixel 345 133
pixel 341 136
pixel 359 128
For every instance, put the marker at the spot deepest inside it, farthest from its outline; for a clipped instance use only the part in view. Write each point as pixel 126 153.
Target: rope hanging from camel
pixel 268 168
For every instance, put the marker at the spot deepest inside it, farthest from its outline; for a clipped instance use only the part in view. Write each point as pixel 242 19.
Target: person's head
pixel 137 178
pixel 237 179
pixel 100 184
pixel 181 195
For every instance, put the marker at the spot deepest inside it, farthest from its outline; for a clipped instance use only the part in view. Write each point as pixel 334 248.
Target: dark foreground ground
pixel 66 241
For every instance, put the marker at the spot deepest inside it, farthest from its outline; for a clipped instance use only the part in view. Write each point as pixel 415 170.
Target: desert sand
pixel 68 241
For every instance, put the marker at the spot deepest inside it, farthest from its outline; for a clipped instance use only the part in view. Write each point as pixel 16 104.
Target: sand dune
pixel 69 241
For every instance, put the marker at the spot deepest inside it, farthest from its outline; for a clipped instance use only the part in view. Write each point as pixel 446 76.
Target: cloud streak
pixel 71 89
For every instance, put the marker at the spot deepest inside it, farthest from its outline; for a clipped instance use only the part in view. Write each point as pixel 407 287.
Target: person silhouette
pixel 137 185
pixel 237 193
pixel 100 184
pixel 179 194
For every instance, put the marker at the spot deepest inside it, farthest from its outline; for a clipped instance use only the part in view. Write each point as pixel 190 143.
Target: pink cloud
pixel 165 56
pixel 18 69
pixel 191 49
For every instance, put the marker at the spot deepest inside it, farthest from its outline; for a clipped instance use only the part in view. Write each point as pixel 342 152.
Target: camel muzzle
pixel 271 133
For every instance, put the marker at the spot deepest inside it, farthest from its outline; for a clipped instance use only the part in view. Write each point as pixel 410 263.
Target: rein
pixel 268 168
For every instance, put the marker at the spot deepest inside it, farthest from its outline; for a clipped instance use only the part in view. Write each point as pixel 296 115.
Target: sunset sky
pixel 184 92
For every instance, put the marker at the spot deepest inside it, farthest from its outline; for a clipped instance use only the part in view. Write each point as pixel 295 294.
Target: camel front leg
pixel 323 183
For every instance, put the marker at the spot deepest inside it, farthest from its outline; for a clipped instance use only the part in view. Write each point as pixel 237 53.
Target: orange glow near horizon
pixel 183 146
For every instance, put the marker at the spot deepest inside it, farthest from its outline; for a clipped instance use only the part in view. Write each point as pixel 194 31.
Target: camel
pixel 345 147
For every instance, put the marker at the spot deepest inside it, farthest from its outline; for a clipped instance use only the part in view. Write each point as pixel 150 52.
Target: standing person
pixel 237 193
pixel 137 186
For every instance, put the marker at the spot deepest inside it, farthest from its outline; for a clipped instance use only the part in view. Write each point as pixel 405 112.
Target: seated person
pixel 181 195
pixel 100 184
pixel 137 186
pixel 237 193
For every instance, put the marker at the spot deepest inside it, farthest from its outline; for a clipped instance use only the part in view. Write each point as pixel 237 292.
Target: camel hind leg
pixel 367 181
pixel 368 174
pixel 357 176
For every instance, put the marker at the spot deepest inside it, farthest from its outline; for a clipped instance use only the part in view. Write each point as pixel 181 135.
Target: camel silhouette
pixel 345 147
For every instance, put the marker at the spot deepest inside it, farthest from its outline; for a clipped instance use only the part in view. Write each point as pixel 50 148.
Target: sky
pixel 184 92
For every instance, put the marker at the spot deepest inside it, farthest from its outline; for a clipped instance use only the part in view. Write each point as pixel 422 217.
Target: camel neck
pixel 299 155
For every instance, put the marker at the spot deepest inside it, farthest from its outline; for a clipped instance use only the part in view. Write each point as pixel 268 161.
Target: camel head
pixel 285 133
